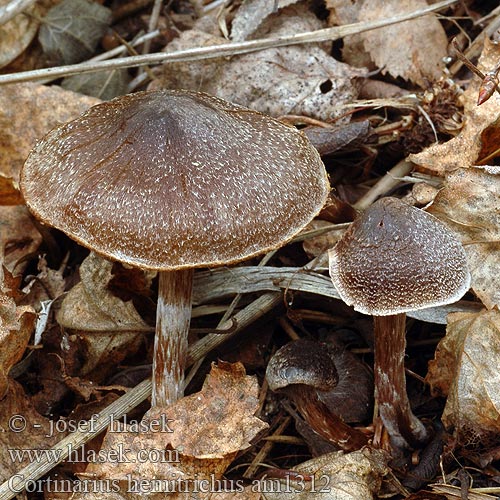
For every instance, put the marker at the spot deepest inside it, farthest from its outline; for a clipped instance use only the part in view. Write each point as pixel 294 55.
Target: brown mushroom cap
pixel 175 179
pixel 302 362
pixel 396 258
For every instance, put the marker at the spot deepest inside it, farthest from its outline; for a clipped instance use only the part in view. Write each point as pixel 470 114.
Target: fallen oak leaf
pixel 469 204
pixel 413 50
pixel 192 440
pixel 465 369
pixel 478 140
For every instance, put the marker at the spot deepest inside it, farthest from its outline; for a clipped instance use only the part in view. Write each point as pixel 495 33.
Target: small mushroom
pixel 305 371
pixel 393 259
pixel 171 181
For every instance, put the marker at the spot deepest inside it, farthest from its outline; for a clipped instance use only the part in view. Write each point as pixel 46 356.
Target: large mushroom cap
pixel 175 179
pixel 396 258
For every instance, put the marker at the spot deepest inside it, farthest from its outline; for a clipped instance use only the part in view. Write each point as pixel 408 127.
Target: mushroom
pixel 393 259
pixel 306 372
pixel 171 181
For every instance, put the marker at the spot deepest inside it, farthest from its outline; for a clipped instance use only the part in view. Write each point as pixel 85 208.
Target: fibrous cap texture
pixel 175 179
pixel 396 258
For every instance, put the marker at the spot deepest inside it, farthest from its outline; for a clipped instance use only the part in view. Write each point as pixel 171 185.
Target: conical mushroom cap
pixel 396 258
pixel 175 179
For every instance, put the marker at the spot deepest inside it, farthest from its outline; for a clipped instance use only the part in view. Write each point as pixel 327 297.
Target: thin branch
pixel 222 50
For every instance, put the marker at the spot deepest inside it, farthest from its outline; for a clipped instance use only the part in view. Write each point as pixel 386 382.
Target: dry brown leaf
pixel 469 204
pixel 27 112
pixel 465 368
pixel 193 440
pixel 16 326
pixel 16 34
pixel 413 50
pixel 347 12
pixel 480 135
pixel 354 476
pixel 9 191
pixel 301 79
pixel 18 234
pixel 108 325
pixel 22 430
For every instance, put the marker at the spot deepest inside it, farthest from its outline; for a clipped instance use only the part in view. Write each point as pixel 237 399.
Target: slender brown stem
pixel 405 429
pixel 323 421
pixel 173 314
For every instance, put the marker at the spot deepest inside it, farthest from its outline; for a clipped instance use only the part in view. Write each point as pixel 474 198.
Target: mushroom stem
pixel 173 315
pixel 405 429
pixel 326 423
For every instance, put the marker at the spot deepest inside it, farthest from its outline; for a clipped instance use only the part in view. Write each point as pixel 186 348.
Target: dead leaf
pixel 191 441
pixel 16 326
pixel 480 135
pixel 104 84
pixel 347 12
pixel 90 308
pixel 251 14
pixel 413 50
pixel 320 244
pixel 301 79
pixel 469 204
pixel 22 429
pixel 9 191
pixel 18 235
pixel 354 476
pixel 16 34
pixel 71 30
pixel 27 112
pixel 465 368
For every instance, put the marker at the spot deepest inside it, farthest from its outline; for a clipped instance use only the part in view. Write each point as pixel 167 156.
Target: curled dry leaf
pixel 39 106
pixel 465 368
pixel 301 79
pixel 480 136
pixel 199 437
pixel 90 308
pixel 469 204
pixel 354 476
pixel 16 34
pixel 413 50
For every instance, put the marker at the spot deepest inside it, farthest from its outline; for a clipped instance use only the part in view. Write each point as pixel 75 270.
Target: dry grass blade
pixel 224 50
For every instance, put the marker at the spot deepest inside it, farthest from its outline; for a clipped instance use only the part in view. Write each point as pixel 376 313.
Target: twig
pixel 153 23
pixel 390 180
pixel 222 50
